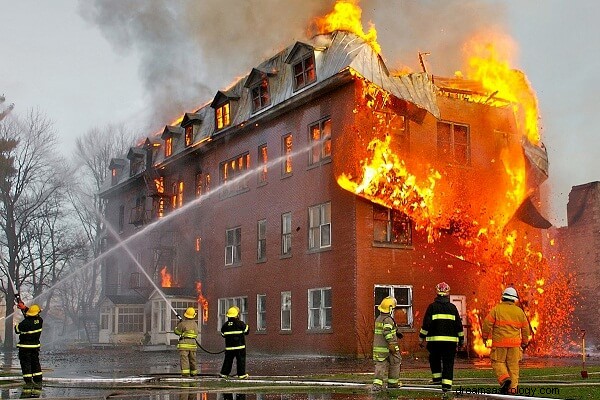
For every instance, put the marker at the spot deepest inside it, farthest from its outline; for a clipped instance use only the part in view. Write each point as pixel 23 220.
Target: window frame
pixel 324 223
pixel 224 303
pixel 261 240
pixel 391 291
pixel 320 147
pixel 168 146
pixel 235 248
pixel 287 308
pixel 263 159
pixel 230 172
pixel 393 217
pixel 324 312
pixel 261 312
pixel 223 116
pixel 260 95
pixel 447 149
pixel 286 236
pixel 307 73
pixel 286 151
pixel 189 135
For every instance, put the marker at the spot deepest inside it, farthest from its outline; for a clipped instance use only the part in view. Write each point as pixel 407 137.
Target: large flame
pixel 166 280
pixel 346 16
pixel 203 301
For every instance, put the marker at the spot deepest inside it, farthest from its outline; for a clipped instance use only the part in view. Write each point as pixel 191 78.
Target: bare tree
pixel 93 154
pixel 24 189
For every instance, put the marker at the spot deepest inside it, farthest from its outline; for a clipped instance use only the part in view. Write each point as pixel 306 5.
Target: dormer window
pixel 222 116
pixel 168 135
pixel 304 71
pixel 189 135
pixel 188 123
pixel 116 167
pixel 168 146
pixel 258 84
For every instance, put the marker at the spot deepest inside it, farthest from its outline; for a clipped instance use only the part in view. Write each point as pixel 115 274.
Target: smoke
pixel 190 49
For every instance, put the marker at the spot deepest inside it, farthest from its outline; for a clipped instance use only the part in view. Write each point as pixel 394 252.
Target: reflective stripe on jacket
pixel 442 322
pixel 29 331
pixel 187 330
pixel 507 324
pixel 234 331
pixel 384 335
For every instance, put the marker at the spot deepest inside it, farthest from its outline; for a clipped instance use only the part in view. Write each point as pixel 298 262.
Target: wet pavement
pixel 111 373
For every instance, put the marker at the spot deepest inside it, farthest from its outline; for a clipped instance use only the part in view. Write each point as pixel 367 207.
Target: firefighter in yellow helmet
pixel 187 329
pixel 29 331
pixel 386 352
pixel 234 330
pixel 508 327
pixel 443 331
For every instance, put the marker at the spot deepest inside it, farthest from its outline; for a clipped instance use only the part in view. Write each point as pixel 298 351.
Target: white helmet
pixel 510 293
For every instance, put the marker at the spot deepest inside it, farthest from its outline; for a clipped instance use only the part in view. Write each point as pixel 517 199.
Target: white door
pixel 460 301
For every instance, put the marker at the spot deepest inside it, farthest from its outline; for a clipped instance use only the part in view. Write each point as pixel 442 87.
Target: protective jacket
pixel 508 325
pixel 188 332
pixel 234 331
pixel 442 322
pixel 384 337
pixel 29 331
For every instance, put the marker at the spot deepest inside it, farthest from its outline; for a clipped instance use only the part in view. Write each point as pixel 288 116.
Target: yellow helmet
pixel 387 305
pixel 233 312
pixel 190 313
pixel 33 310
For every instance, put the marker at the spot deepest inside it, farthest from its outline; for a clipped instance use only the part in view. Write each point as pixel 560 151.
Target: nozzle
pixel 179 317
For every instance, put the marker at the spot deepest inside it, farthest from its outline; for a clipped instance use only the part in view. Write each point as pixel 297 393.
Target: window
pixel 261 230
pixel 177 195
pixel 286 234
pixel 233 246
pixel 136 165
pixel 264 160
pixel 261 312
pixel 304 71
pixel 222 116
pixel 121 218
pixel 287 152
pixel 319 308
pixel 199 183
pixel 226 303
pixel 180 307
pixel 105 318
pixel 391 226
pixel 114 176
pixel 403 293
pixel 286 311
pixel 130 319
pixel 454 143
pixel 231 173
pixel 319 221
pixel 168 146
pixel 320 141
pixel 260 95
pixel 189 135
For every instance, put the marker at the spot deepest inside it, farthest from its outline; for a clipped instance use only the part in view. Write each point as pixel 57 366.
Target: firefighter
pixel 443 331
pixel 29 331
pixel 386 353
pixel 508 327
pixel 234 330
pixel 187 329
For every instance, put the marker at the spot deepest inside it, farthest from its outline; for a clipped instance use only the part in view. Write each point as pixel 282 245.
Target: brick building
pixel 238 204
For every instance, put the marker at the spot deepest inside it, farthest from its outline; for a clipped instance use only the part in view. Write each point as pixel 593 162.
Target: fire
pixel 202 301
pixel 165 278
pixel 346 16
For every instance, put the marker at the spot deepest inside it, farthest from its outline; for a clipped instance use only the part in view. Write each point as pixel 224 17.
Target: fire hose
pixel 196 340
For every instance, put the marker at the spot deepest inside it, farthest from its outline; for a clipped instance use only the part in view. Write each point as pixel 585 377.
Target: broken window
pixel 260 95
pixel 319 308
pixel 287 152
pixel 391 226
pixel 403 313
pixel 222 116
pixel 454 143
pixel 261 312
pixel 261 240
pixel 264 159
pixel 232 173
pixel 286 234
pixel 320 141
pixel 189 135
pixel 319 233
pixel 168 146
pixel 286 311
pixel 304 71
pixel 233 246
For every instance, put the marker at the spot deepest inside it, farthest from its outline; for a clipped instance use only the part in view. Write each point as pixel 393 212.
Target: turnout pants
pixel 505 363
pixel 240 359
pixel 188 362
pixel 388 369
pixel 441 362
pixel 30 365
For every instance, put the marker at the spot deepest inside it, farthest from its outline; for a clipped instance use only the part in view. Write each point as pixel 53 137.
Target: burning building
pixel 314 187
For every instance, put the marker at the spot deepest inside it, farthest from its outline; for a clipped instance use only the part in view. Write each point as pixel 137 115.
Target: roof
pixel 126 299
pixel 175 292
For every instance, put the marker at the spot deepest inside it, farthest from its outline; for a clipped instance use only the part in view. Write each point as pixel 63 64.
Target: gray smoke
pixel 189 49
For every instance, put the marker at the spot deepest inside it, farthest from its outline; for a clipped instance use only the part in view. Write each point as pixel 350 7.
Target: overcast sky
pixel 142 63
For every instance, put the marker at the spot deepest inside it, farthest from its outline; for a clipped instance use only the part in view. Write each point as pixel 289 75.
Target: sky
pixel 142 63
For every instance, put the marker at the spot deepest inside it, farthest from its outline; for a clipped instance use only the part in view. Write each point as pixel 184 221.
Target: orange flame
pixel 165 278
pixel 346 16
pixel 202 301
